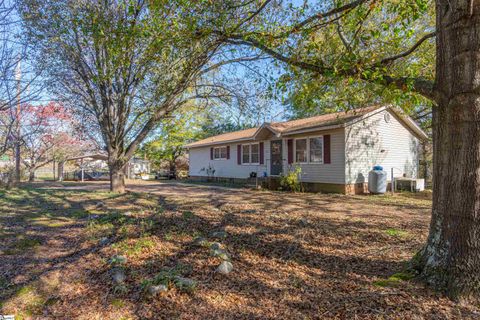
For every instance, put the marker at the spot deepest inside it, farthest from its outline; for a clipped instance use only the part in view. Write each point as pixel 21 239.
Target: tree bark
pixel 450 261
pixel 31 175
pixel 117 178
pixel 117 170
pixel 60 169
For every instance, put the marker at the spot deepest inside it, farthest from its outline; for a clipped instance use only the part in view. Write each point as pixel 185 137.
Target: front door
pixel 276 157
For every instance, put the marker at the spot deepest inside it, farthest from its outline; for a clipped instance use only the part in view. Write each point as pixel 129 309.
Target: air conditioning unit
pixel 410 184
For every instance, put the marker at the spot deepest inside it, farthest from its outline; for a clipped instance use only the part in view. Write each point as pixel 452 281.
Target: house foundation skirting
pixel 239 181
pixel 273 183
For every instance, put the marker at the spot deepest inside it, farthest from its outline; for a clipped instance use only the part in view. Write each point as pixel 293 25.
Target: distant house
pixel 335 151
pixel 94 166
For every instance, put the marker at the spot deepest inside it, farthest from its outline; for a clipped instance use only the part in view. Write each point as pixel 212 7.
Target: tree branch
pixel 253 15
pixel 225 62
pixel 420 85
pixel 391 59
pixel 322 15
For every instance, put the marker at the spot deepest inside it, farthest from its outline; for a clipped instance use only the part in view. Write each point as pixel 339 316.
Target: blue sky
pixel 273 108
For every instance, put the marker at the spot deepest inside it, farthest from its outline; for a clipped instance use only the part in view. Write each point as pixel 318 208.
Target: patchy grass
pixel 133 247
pixel 21 245
pixel 397 233
pixel 295 256
pixel 395 280
pixel 188 214
pixel 118 303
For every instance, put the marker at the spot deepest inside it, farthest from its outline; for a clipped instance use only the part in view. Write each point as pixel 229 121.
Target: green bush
pixel 291 181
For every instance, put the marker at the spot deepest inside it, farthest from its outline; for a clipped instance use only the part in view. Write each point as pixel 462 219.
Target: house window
pixel 301 150
pixel 220 153
pixel 309 150
pixel 254 153
pixel 250 153
pixel 246 153
pixel 316 149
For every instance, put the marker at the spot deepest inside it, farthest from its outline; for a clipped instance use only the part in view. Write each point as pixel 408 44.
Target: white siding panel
pixel 373 141
pixel 199 159
pixel 333 172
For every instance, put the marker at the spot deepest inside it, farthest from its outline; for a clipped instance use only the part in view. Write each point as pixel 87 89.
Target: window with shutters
pixel 220 153
pixel 309 150
pixel 316 149
pixel 301 150
pixel 254 154
pixel 246 153
pixel 251 153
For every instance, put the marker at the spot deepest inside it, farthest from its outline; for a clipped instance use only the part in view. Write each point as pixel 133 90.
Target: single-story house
pixel 334 151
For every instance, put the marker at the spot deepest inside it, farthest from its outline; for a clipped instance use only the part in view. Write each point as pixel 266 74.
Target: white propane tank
pixel 377 180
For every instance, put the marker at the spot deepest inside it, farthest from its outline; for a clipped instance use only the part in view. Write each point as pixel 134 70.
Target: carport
pixel 83 159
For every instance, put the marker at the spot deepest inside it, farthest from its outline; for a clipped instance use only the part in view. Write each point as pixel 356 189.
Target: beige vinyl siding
pixel 199 158
pixel 333 172
pixel 373 141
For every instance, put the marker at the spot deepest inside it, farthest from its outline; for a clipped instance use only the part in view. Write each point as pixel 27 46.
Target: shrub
pixel 291 181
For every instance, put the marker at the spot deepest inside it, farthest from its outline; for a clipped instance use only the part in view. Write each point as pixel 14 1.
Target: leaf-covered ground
pixel 295 256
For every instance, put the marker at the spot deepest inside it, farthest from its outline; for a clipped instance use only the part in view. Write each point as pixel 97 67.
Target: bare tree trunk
pixel 18 172
pixel 117 180
pixel 11 180
pixel 117 174
pixel 450 260
pixel 60 169
pixel 31 175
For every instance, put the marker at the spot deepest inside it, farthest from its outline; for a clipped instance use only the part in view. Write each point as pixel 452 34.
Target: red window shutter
pixel 290 150
pixel 239 154
pixel 326 149
pixel 261 152
pixel 211 153
pixel 228 152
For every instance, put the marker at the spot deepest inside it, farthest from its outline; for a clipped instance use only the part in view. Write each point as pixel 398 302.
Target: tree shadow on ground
pixel 293 264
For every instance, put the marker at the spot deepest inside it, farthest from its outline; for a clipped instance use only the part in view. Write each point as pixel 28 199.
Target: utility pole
pixel 18 75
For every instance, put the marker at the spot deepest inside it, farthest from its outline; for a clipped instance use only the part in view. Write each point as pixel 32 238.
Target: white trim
pixel 295 150
pixel 308 150
pixel 410 123
pixel 264 126
pixel 407 121
pixel 220 153
pixel 250 163
pixel 323 150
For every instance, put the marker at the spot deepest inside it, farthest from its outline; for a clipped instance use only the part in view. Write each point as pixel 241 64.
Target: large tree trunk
pixel 450 260
pixel 117 178
pixel 117 166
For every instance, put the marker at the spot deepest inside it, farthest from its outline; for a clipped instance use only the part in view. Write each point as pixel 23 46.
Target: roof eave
pixel 312 129
pixel 215 143
pixel 411 124
pixel 406 120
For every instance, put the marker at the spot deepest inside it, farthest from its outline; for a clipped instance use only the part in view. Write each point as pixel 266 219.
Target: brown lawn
pixel 295 256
